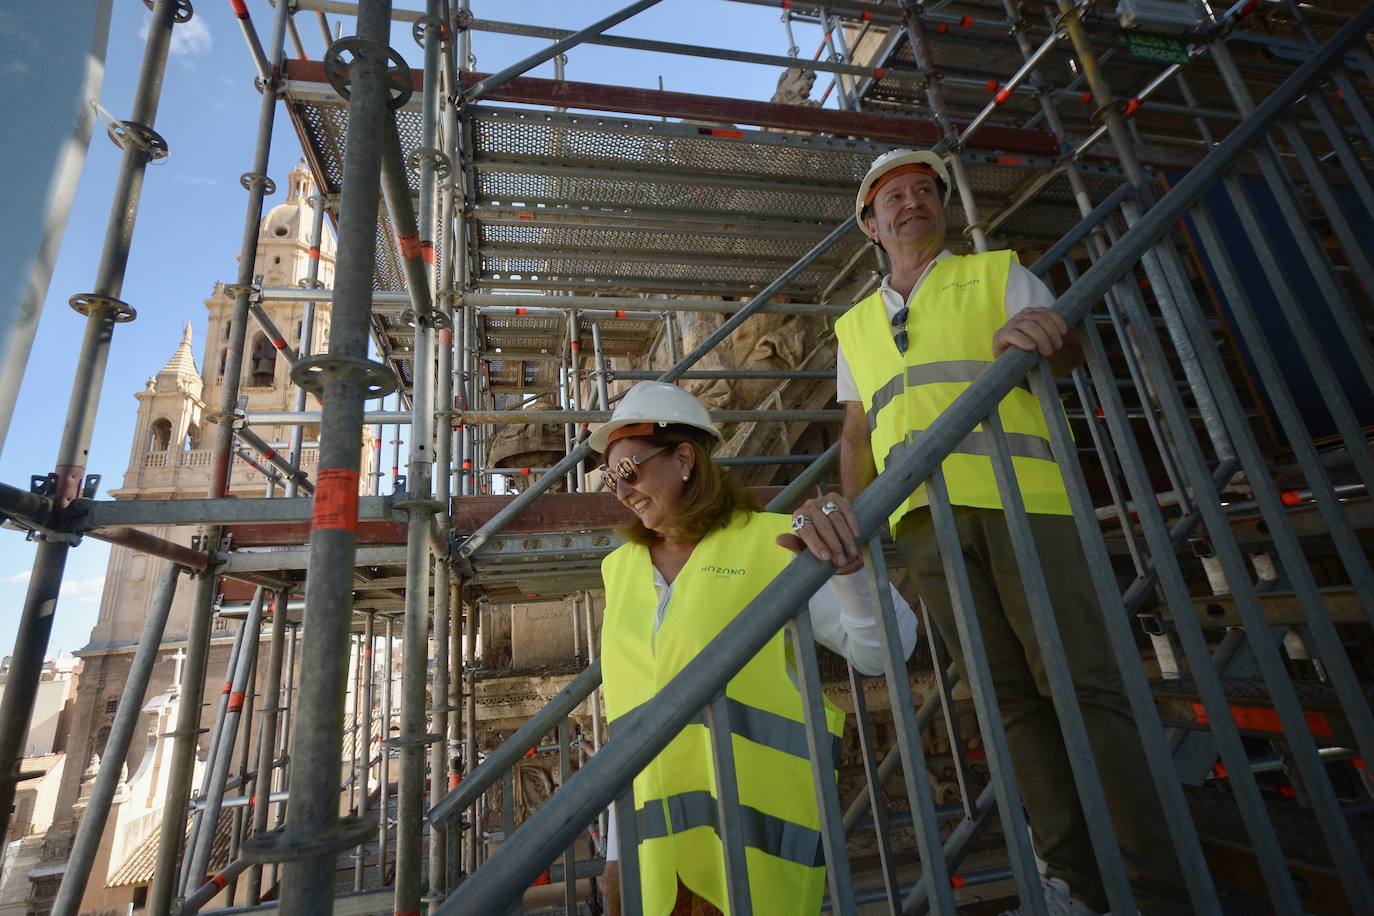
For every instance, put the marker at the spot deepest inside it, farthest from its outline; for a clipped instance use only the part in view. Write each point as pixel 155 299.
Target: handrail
pixel 554 826
pixel 513 749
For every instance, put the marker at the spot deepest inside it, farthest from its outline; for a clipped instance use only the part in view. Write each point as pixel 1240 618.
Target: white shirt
pixel 843 619
pixel 1024 290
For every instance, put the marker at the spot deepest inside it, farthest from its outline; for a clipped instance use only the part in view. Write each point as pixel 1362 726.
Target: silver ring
pixel 829 508
pixel 800 521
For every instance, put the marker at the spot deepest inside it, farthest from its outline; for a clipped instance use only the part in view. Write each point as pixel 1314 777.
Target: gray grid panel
pixel 733 276
pixel 647 240
pixel 623 191
pixel 702 154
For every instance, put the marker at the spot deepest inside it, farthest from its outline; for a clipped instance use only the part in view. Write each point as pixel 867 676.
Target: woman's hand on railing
pixel 828 528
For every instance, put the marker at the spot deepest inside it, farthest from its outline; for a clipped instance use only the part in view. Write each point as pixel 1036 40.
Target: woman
pixel 699 549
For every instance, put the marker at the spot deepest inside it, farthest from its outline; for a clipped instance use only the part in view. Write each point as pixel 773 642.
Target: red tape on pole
pixel 239 8
pixel 336 500
pixel 409 245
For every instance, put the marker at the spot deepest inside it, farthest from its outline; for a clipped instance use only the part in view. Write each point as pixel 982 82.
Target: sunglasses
pixel 899 322
pixel 627 469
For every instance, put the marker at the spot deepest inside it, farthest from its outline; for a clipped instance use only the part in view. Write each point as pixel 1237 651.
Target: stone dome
pixel 290 221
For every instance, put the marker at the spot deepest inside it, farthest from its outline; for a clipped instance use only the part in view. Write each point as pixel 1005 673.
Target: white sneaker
pixel 1058 901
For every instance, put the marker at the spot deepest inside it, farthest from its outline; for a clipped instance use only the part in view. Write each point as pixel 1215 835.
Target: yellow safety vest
pixel 675 796
pixel 953 317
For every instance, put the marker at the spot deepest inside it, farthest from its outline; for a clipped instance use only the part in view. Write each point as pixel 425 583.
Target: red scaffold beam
pixel 525 90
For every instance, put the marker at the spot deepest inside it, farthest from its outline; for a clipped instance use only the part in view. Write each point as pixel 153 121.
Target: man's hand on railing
pixel 828 528
pixel 1043 331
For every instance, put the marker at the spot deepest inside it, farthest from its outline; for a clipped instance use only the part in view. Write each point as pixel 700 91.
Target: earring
pixel 686 477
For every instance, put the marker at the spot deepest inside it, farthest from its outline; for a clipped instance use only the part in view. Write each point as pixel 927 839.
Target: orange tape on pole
pixel 409 245
pixel 336 500
pixel 236 701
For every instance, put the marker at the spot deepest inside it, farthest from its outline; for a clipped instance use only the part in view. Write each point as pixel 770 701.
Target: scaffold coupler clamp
pixel 311 373
pixel 183 13
pixel 342 54
pixel 285 845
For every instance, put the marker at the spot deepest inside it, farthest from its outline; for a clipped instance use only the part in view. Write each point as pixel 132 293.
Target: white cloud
pixel 193 179
pixel 74 590
pixel 82 591
pixel 189 39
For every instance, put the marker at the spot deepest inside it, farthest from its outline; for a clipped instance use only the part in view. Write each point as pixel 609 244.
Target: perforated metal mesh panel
pixel 557 237
pixel 652 145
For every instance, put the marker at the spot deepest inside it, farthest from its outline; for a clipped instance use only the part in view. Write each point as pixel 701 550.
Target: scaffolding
pixel 515 251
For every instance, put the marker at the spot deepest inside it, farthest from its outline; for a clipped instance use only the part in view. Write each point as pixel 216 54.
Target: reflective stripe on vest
pixel 773 835
pixel 952 319
pixel 763 711
pixel 778 732
pixel 977 442
pixel 965 371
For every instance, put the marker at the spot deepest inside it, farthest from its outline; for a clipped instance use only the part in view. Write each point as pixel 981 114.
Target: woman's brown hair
pixel 710 499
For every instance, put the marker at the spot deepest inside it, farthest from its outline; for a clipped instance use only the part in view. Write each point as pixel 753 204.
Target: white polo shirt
pixel 1024 289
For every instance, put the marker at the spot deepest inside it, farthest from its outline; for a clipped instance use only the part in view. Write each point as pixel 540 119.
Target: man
pixel 906 352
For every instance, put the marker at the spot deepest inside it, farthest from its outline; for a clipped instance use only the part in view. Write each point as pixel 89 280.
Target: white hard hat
pixel 895 159
pixel 660 403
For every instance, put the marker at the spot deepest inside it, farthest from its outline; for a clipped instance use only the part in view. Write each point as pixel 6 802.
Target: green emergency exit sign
pixel 1157 48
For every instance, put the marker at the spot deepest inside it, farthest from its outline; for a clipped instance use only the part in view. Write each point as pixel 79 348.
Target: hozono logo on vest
pixel 961 284
pixel 723 570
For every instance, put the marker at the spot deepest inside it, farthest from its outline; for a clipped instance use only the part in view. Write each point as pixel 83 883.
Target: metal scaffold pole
pixel 314 834
pixel 420 506
pixel 364 723
pixel 384 749
pixel 440 64
pixel 267 739
pixel 103 309
pixel 935 96
pixel 311 281
pixel 198 632
pixel 127 717
pixel 471 613
pixel 1159 262
pixel 218 770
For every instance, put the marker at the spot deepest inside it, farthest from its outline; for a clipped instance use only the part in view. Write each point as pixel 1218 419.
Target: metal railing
pixel 605 779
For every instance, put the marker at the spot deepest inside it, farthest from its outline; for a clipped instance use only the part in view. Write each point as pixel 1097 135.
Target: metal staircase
pixel 1207 459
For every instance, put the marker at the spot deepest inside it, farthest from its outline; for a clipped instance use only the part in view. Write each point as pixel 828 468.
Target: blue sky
pixel 192 210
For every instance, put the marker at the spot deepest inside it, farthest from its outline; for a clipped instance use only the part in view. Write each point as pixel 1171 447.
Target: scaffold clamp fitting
pixel 442 164
pixel 413 740
pixel 249 179
pixel 1100 115
pixel 283 845
pixel 130 133
pixel 339 59
pixel 311 373
pixel 86 303
pixel 421 26
pixel 233 417
pixel 183 13
pixel 411 506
